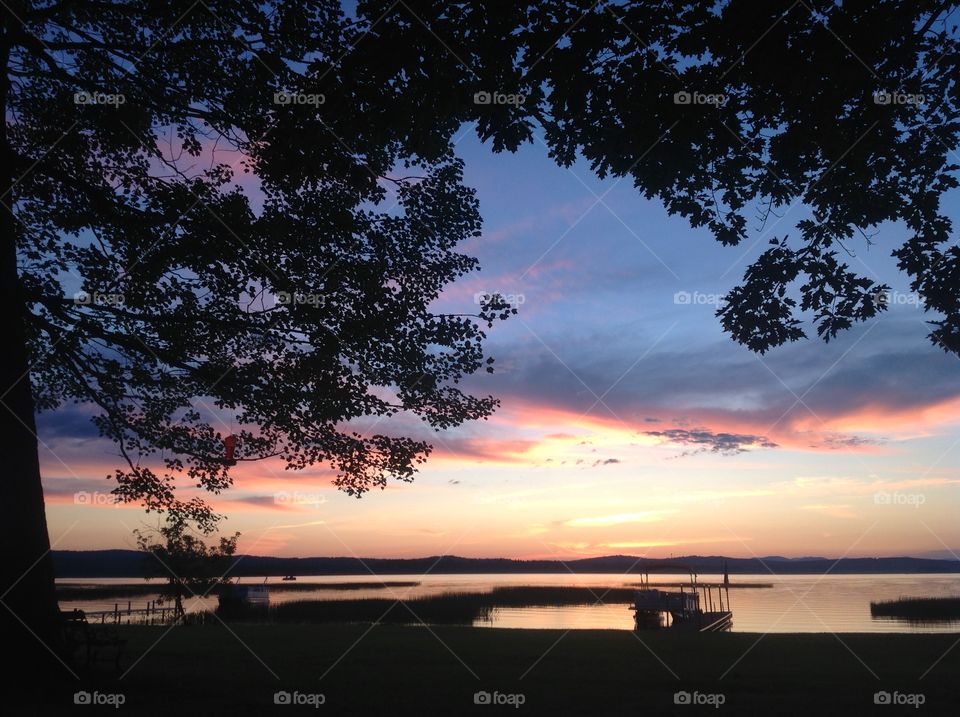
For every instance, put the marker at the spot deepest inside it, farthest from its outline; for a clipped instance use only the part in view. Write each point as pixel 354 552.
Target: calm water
pixel 795 603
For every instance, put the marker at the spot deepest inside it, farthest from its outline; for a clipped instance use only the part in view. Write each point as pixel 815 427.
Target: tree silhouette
pixel 185 561
pixel 209 230
pixel 730 113
pixel 240 211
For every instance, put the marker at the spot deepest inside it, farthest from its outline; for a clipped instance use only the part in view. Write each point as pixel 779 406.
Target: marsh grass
pixel 454 608
pixel 919 609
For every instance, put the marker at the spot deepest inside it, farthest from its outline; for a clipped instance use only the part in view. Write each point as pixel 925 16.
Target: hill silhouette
pixel 129 563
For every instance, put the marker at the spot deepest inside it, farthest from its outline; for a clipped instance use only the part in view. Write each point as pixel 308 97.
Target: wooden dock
pixel 696 607
pixel 152 614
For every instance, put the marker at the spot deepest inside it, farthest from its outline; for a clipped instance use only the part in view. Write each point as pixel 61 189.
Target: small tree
pixel 189 565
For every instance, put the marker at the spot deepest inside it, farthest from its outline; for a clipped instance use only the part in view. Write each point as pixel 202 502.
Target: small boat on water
pixel 684 609
pixel 235 598
pixel 289 577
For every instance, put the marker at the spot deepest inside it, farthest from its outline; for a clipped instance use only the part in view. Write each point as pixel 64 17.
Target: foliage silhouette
pixel 729 113
pixel 210 231
pixel 185 561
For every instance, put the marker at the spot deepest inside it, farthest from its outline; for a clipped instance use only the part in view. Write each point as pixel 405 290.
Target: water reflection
pixel 794 603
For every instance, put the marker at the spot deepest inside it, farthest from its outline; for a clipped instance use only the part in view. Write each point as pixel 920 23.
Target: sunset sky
pixel 630 424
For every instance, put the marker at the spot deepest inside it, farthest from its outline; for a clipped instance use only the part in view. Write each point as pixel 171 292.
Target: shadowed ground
pixel 394 670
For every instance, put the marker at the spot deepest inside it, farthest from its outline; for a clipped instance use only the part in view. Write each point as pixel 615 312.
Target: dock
pixel 152 614
pixel 694 607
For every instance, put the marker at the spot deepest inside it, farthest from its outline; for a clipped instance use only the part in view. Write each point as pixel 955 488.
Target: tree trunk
pixel 29 615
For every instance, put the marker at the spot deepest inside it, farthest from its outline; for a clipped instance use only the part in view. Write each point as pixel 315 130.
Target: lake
pixel 794 603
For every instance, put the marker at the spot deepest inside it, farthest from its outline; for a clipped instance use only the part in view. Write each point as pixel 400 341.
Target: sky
pixel 629 422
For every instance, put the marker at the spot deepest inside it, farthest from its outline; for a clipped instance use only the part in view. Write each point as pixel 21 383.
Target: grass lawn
pixel 396 670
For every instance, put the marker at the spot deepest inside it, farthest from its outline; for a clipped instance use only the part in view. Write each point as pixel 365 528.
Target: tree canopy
pixel 729 113
pixel 234 217
pixel 247 211
pixel 190 566
pixel 219 233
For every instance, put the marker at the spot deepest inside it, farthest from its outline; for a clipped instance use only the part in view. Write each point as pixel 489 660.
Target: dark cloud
pixel 713 384
pixel 265 501
pixel 55 486
pixel 838 442
pixel 703 440
pixel 892 368
pixel 607 462
pixel 68 421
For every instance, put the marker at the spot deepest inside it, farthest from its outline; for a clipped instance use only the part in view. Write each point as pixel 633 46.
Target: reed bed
pixel 454 608
pixel 919 609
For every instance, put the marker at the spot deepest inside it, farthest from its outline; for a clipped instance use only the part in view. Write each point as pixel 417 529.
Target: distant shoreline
pixel 129 563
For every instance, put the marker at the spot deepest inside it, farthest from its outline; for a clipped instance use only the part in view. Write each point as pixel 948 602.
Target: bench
pixel 96 640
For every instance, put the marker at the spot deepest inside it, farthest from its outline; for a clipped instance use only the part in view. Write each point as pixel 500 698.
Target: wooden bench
pixel 95 640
